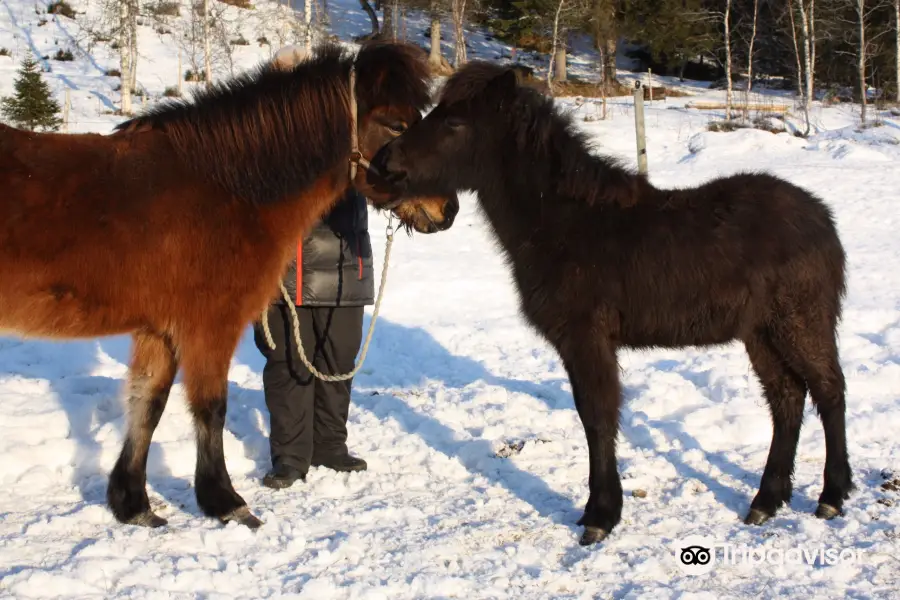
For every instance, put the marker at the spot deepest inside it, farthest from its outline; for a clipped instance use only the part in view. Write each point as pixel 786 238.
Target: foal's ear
pixel 502 87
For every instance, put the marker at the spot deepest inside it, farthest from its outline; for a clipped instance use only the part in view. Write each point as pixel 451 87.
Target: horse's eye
pixel 397 128
pixel 455 122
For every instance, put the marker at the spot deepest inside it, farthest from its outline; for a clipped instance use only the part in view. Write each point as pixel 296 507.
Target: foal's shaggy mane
pixel 545 139
pixel 268 133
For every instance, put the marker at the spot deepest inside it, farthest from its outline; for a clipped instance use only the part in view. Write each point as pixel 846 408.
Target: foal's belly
pixel 676 326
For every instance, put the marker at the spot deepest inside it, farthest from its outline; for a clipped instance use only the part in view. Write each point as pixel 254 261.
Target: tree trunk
pixel 750 61
pixel 560 58
pixel 125 56
pixel 897 23
pixel 812 47
pixel 601 60
pixel 395 29
pixel 307 14
pixel 809 67
pixel 729 93
pixel 459 18
pixel 750 50
pixel 373 18
pixel 207 55
pixel 553 50
pixel 861 12
pixel 133 39
pixel 387 22
pixel 796 49
pixel 435 57
pixel 609 72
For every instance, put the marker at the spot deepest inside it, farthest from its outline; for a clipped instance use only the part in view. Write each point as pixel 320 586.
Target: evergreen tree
pixel 32 106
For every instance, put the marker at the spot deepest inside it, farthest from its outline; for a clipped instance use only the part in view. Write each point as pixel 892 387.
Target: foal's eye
pixel 397 128
pixel 455 122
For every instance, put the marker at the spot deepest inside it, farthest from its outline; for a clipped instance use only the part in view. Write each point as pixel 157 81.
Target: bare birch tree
pixel 865 43
pixel 207 54
pixel 861 15
pixel 807 26
pixel 729 90
pixel 458 10
pixel 120 19
pixel 434 56
pixel 307 15
pixel 796 49
pixel 897 57
pixel 750 60
pixel 559 8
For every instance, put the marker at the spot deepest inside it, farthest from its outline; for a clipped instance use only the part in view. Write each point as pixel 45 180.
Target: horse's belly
pixel 58 311
pixel 676 327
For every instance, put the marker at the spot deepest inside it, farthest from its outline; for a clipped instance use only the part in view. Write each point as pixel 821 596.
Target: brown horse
pixel 177 229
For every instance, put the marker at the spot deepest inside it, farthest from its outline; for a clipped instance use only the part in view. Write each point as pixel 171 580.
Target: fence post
pixel 650 83
pixel 639 128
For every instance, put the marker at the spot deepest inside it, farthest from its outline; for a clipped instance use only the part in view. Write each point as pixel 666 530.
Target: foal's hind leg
pixel 206 356
pixel 810 343
pixel 152 370
pixel 785 392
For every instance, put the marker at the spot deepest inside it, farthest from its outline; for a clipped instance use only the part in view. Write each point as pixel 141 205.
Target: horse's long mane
pixel 269 132
pixel 559 155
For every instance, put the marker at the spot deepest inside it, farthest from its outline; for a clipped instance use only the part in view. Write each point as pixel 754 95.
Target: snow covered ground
pixel 477 460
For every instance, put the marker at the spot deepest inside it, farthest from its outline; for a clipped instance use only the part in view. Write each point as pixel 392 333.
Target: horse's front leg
pixel 593 372
pixel 206 357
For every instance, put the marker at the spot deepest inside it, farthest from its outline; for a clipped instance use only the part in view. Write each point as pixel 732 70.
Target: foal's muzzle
pixel 390 163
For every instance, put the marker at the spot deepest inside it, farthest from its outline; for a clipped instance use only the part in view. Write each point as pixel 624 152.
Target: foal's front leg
pixel 593 372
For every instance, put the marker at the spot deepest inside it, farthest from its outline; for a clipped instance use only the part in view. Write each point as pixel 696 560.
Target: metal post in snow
pixel 639 127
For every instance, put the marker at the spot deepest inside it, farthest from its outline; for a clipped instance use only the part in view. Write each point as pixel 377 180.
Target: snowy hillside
pixel 477 459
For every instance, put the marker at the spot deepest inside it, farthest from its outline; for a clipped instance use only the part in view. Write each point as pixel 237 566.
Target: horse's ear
pixel 503 87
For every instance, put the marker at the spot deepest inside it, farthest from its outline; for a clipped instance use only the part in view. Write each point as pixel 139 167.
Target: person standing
pixel 330 282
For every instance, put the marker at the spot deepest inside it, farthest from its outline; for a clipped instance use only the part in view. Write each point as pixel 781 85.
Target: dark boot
pixel 283 476
pixel 343 463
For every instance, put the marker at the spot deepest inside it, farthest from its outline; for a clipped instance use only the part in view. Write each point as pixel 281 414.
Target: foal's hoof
pixel 756 517
pixel 592 535
pixel 147 519
pixel 826 511
pixel 243 516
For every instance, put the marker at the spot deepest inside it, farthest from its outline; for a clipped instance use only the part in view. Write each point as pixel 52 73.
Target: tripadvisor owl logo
pixel 698 555
pixel 695 554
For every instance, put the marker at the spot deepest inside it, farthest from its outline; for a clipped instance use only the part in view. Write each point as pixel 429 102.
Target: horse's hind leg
pixel 205 358
pixel 785 392
pixel 152 371
pixel 809 341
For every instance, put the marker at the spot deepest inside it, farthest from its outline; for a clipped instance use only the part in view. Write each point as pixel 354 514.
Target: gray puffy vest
pixel 335 258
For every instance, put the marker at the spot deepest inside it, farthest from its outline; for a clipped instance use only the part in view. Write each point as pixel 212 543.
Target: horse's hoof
pixel 592 535
pixel 826 511
pixel 147 519
pixel 243 516
pixel 756 517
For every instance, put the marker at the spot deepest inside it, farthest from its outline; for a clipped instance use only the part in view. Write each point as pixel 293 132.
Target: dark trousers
pixel 308 416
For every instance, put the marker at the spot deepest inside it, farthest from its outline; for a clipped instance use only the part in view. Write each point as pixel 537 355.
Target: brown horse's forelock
pixel 250 133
